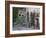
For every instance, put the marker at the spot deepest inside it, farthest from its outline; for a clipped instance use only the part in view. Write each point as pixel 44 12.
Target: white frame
pixel 24 31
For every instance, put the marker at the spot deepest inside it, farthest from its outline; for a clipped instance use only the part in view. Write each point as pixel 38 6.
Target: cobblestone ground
pixel 20 27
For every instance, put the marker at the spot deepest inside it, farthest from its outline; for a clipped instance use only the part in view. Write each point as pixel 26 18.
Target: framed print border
pixel 7 18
